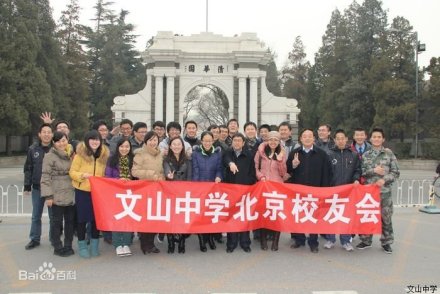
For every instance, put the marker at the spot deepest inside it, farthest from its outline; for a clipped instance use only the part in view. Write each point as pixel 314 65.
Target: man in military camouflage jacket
pixel 379 166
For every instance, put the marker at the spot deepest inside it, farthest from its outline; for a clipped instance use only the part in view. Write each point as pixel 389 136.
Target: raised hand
pixel 295 161
pixel 46 117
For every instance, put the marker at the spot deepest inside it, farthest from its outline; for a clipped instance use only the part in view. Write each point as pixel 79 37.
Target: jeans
pixel 343 238
pixel 60 213
pixel 121 239
pixel 37 212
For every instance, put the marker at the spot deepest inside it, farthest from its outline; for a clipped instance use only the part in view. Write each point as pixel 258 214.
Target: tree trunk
pixel 8 145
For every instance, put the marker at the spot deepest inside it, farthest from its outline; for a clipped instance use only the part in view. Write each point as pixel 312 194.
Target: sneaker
pixel 387 248
pixel 329 245
pixel 120 251
pixel 126 250
pixel 348 247
pixel 362 246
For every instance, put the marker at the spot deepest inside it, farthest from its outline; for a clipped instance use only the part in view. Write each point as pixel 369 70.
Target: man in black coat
pixel 240 169
pixel 308 165
pixel 32 176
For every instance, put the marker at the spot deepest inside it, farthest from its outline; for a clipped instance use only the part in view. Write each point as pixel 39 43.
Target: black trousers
pixel 301 239
pixel 82 228
pixel 60 214
pixel 239 237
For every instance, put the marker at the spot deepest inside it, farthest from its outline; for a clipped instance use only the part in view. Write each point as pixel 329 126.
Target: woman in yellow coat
pixel 148 165
pixel 90 160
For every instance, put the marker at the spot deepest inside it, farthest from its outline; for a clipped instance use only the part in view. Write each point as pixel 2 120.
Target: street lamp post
pixel 418 48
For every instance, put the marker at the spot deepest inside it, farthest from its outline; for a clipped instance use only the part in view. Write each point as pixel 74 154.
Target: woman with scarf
pixel 119 167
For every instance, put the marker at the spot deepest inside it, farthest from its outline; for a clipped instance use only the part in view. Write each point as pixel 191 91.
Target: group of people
pixel 57 172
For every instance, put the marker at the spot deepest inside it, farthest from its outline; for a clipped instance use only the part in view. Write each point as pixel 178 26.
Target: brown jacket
pixel 148 164
pixel 55 179
pixel 83 163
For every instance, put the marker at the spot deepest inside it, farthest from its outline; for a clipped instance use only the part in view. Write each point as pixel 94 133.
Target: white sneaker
pixel 120 251
pixel 127 251
pixel 329 245
pixel 348 247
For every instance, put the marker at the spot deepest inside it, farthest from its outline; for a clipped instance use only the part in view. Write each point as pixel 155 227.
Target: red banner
pixel 202 207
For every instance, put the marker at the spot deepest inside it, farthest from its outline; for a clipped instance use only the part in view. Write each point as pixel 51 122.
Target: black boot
pixel 211 242
pixel 218 238
pixel 276 239
pixel 171 245
pixel 263 239
pixel 202 243
pixel 181 246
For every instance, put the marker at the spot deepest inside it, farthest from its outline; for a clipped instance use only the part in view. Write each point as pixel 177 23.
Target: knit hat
pixel 274 134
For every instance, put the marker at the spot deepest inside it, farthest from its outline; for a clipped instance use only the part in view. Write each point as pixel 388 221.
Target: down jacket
pixel 206 167
pixel 83 163
pixel 55 180
pixel 148 164
pixel 272 170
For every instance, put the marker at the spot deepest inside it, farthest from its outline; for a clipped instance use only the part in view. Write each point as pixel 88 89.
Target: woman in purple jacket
pixel 119 167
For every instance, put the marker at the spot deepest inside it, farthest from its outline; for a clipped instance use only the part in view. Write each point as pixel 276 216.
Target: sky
pixel 276 22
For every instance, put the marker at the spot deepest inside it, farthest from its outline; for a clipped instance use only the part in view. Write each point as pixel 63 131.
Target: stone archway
pixel 176 64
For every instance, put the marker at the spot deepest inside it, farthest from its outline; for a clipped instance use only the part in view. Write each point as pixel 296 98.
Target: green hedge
pixel 431 150
pixel 402 149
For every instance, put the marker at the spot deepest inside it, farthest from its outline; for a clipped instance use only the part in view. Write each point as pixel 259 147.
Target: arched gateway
pixel 176 64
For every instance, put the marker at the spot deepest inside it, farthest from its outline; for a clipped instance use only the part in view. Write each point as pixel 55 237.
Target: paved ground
pixel 414 262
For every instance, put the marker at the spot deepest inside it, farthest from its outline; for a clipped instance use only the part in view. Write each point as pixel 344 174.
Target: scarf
pixel 207 152
pixel 191 141
pixel 124 171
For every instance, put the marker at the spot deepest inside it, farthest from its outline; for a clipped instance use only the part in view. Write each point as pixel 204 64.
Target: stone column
pixel 170 100
pixel 241 102
pixel 253 101
pixel 158 111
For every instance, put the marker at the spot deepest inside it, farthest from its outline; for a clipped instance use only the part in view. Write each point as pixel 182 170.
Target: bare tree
pixel 207 105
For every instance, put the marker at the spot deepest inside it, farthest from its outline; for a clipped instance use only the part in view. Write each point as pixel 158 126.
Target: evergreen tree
pixel 430 101
pixel 114 63
pixel 393 79
pixel 50 59
pixel 24 92
pixel 70 34
pixel 295 73
pixel 273 82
